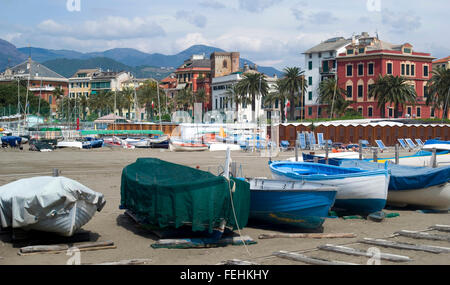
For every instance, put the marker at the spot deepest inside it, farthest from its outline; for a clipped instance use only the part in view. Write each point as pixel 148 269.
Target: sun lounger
pixel 403 144
pixel 284 145
pixel 411 144
pixel 420 142
pixel 302 141
pixel 320 140
pixel 381 145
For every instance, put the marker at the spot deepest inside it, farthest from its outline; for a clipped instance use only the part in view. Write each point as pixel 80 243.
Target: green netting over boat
pixel 164 194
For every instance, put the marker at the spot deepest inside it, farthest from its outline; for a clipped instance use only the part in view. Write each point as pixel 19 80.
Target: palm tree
pixel 394 90
pixel 279 96
pixel 333 96
pixel 84 101
pixel 58 94
pixel 148 95
pixel 251 86
pixel 102 102
pixel 127 99
pixel 294 83
pixel 439 91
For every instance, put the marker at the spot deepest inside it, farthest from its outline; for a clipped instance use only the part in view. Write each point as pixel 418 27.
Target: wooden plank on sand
pixel 128 262
pixel 313 236
pixel 408 246
pixel 202 243
pixel 56 249
pixel 421 235
pixel 308 260
pixel 441 228
pixel 357 252
pixel 237 262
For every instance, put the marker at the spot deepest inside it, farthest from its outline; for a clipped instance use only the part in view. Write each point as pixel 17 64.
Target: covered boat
pixel 163 195
pixel 422 158
pixel 11 141
pixel 292 203
pixel 70 144
pixel 439 145
pixel 359 191
pixel 49 204
pixel 417 186
pixel 159 142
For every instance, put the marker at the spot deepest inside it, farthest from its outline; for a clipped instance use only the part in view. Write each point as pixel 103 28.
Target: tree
pixel 279 96
pixel 333 96
pixel 394 90
pixel 294 83
pixel 251 86
pixel 58 94
pixel 83 103
pixel 102 103
pixel 126 100
pixel 439 91
pixel 8 100
pixel 148 95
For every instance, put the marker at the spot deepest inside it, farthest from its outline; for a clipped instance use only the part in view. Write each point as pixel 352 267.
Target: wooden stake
pixel 237 262
pixel 43 248
pixel 65 251
pixel 357 252
pixel 420 235
pixel 128 262
pixel 408 246
pixel 441 228
pixel 314 236
pixel 308 260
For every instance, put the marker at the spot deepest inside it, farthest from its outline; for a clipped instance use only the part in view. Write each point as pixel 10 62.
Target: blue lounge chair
pixel 302 141
pixel 320 140
pixel 381 145
pixel 411 144
pixel 420 142
pixel 284 145
pixel 403 144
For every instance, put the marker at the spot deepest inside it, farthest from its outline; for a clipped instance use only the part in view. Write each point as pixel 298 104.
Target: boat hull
pixel 363 193
pixel 298 208
pixel 70 145
pixel 187 147
pixel 435 197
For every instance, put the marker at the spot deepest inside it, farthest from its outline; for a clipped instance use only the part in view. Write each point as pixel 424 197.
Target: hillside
pixel 9 55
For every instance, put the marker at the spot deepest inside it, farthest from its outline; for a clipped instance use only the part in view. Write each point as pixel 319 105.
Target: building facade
pixel 224 63
pixel 80 83
pixel 368 58
pixel 320 64
pixel 442 63
pixel 39 79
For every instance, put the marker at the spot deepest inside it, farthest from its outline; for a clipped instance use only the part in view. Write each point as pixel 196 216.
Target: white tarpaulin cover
pixel 50 204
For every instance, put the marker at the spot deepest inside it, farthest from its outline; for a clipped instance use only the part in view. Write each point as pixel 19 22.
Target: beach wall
pixel 354 133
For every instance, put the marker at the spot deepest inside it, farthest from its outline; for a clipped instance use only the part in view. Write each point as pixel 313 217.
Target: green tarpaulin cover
pixel 165 195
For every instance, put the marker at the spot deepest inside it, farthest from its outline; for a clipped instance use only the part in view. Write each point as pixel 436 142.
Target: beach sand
pixel 101 171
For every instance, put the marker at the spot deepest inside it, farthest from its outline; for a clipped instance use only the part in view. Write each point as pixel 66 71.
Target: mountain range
pixel 141 64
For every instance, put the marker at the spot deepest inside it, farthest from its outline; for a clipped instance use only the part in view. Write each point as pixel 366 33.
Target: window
pixel 350 51
pixel 407 69
pixel 403 69
pixel 225 64
pixel 409 111
pixel 310 96
pixel 418 112
pixel 371 67
pixel 349 70
pixel 310 55
pixel 50 99
pixel 310 79
pixel 319 111
pixel 360 91
pixel 360 69
pixel 360 110
pixel 370 112
pixel 349 91
pixel 413 70
pixel 361 50
pixel 310 111
pixel 425 70
pixel 370 87
pixel 432 113
pixel 407 50
pixel 391 112
pixel 389 68
pixel 320 54
pixel 331 53
pixel 425 91
pixel 310 65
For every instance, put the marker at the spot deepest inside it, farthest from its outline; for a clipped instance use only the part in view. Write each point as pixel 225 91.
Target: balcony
pixel 327 70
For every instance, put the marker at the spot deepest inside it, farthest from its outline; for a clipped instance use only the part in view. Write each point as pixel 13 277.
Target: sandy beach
pixel 101 171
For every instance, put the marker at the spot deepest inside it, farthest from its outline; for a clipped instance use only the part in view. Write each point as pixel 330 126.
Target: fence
pixel 352 134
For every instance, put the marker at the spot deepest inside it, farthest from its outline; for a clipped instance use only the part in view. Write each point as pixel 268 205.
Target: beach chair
pixel 403 144
pixel 302 141
pixel 411 144
pixel 284 145
pixel 312 141
pixel 320 140
pixel 365 143
pixel 420 143
pixel 381 145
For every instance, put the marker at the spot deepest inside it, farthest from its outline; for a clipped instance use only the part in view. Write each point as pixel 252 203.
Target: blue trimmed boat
pixel 292 203
pixel 359 191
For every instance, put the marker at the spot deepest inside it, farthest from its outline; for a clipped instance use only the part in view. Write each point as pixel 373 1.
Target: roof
pixel 87 71
pixel 199 63
pixel 35 70
pixel 329 45
pixel 442 60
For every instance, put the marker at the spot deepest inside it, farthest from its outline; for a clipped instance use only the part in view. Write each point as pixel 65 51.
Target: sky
pixel 268 32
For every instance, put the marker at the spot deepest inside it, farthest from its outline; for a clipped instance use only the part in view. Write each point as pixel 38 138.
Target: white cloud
pixel 257 6
pixel 192 17
pixel 401 22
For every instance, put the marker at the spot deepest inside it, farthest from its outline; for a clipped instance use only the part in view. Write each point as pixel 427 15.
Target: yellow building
pixel 80 83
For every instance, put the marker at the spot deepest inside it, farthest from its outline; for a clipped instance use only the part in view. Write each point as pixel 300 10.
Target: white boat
pixel 224 147
pixel 422 158
pixel 177 145
pixel 425 187
pixel 138 143
pixel 49 204
pixel 343 155
pixel 359 191
pixel 70 144
pixel 439 145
